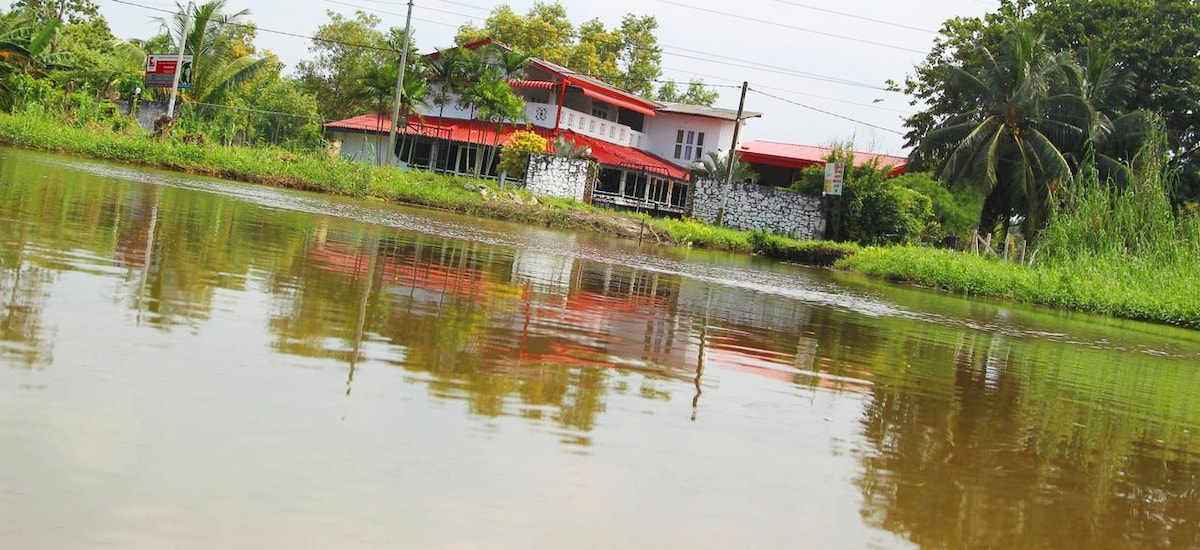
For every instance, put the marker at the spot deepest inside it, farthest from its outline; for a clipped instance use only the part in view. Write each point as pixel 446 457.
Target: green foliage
pixel 716 167
pixel 44 11
pixel 695 94
pixel 693 233
pixel 627 57
pixel 956 211
pixel 1153 43
pixel 563 147
pixel 222 50
pixel 1112 250
pixel 817 253
pixel 872 208
pixel 350 80
pixel 514 158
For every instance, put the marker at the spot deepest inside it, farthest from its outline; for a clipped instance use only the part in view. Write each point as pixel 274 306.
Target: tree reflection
pixel 996 444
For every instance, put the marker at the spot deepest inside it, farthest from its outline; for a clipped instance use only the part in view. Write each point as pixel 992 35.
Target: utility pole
pixel 737 129
pixel 187 22
pixel 391 150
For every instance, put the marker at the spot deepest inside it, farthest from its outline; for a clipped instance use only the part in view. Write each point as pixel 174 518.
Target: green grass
pixel 1117 287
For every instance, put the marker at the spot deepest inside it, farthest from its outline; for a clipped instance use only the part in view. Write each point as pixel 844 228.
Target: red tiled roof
pixel 789 155
pixel 626 157
pixel 483 133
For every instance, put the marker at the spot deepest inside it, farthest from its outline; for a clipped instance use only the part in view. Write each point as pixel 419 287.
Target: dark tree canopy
pixel 1155 43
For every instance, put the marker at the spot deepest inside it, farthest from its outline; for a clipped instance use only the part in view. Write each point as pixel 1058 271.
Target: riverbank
pixel 315 171
pixel 1150 292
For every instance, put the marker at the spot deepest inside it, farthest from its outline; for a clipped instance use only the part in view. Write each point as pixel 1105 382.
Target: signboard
pixel 834 172
pixel 160 71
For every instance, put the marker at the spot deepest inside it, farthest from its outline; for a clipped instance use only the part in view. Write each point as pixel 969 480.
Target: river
pixel 192 363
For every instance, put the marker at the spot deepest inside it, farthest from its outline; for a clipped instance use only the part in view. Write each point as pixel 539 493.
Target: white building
pixel 644 148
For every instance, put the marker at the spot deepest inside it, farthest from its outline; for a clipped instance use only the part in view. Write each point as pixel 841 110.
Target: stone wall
pixel 753 207
pixel 557 177
pixel 147 112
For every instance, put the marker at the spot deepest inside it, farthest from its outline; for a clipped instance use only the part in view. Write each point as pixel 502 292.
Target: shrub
pixel 514 158
pixel 818 253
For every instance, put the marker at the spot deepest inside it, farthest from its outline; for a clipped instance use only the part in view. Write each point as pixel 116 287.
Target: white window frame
pixel 689 145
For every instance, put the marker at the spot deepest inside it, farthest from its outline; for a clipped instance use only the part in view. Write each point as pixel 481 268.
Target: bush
pixel 514 158
pixel 817 253
pixel 872 208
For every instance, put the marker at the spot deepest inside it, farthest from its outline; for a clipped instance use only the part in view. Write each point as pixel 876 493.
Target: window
pixel 600 110
pixel 689 144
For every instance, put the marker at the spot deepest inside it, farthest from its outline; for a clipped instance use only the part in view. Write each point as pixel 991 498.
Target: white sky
pixel 692 34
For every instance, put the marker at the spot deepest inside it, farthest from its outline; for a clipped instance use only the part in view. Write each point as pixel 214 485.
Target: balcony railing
pixel 544 115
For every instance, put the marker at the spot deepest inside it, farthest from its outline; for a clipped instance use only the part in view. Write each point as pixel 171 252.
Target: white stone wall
pixel 552 176
pixel 752 207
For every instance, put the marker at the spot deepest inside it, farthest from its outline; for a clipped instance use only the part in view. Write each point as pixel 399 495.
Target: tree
pixel 627 56
pixel 1154 41
pixel 715 166
pixel 696 93
pixel 641 57
pixel 1008 141
pixel 221 47
pixel 25 52
pixel 347 51
pixel 67 11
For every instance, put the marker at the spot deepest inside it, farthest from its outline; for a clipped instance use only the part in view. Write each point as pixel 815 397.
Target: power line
pixel 257 28
pixel 830 113
pixel 785 72
pixel 792 27
pixel 854 16
pixel 787 91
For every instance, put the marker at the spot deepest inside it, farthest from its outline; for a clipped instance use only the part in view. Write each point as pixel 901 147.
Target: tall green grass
pixel 1120 252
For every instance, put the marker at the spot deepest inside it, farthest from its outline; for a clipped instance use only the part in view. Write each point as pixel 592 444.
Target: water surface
pixel 192 363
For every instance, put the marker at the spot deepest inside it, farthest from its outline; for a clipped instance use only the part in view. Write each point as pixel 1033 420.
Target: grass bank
pixel 1119 252
pixel 1141 291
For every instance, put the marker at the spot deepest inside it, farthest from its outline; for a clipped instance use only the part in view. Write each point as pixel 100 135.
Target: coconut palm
pixel 217 42
pixel 715 166
pixel 1011 144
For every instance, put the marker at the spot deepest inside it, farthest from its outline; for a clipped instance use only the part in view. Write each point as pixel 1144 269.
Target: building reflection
pixel 539 334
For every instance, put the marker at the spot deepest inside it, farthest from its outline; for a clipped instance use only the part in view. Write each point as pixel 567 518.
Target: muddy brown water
pixel 190 363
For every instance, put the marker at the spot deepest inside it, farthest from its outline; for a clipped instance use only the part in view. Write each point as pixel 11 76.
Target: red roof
pixel 625 157
pixel 789 155
pixel 483 133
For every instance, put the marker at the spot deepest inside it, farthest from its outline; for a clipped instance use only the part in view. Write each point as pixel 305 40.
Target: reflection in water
pixel 944 432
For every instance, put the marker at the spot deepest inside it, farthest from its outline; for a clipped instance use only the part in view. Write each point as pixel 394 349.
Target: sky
pixel 816 69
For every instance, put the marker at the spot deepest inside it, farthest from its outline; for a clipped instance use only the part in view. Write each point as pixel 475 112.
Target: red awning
pixel 596 92
pixel 533 84
pixel 620 156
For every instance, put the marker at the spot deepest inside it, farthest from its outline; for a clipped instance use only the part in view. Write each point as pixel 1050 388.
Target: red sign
pixel 160 71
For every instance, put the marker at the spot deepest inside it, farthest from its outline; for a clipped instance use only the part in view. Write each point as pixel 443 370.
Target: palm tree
pixel 448 76
pixel 566 148
pixel 1011 144
pixel 378 88
pixel 217 42
pixel 716 167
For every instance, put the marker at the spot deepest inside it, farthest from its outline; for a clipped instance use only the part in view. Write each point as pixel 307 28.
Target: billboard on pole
pixel 160 71
pixel 834 173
